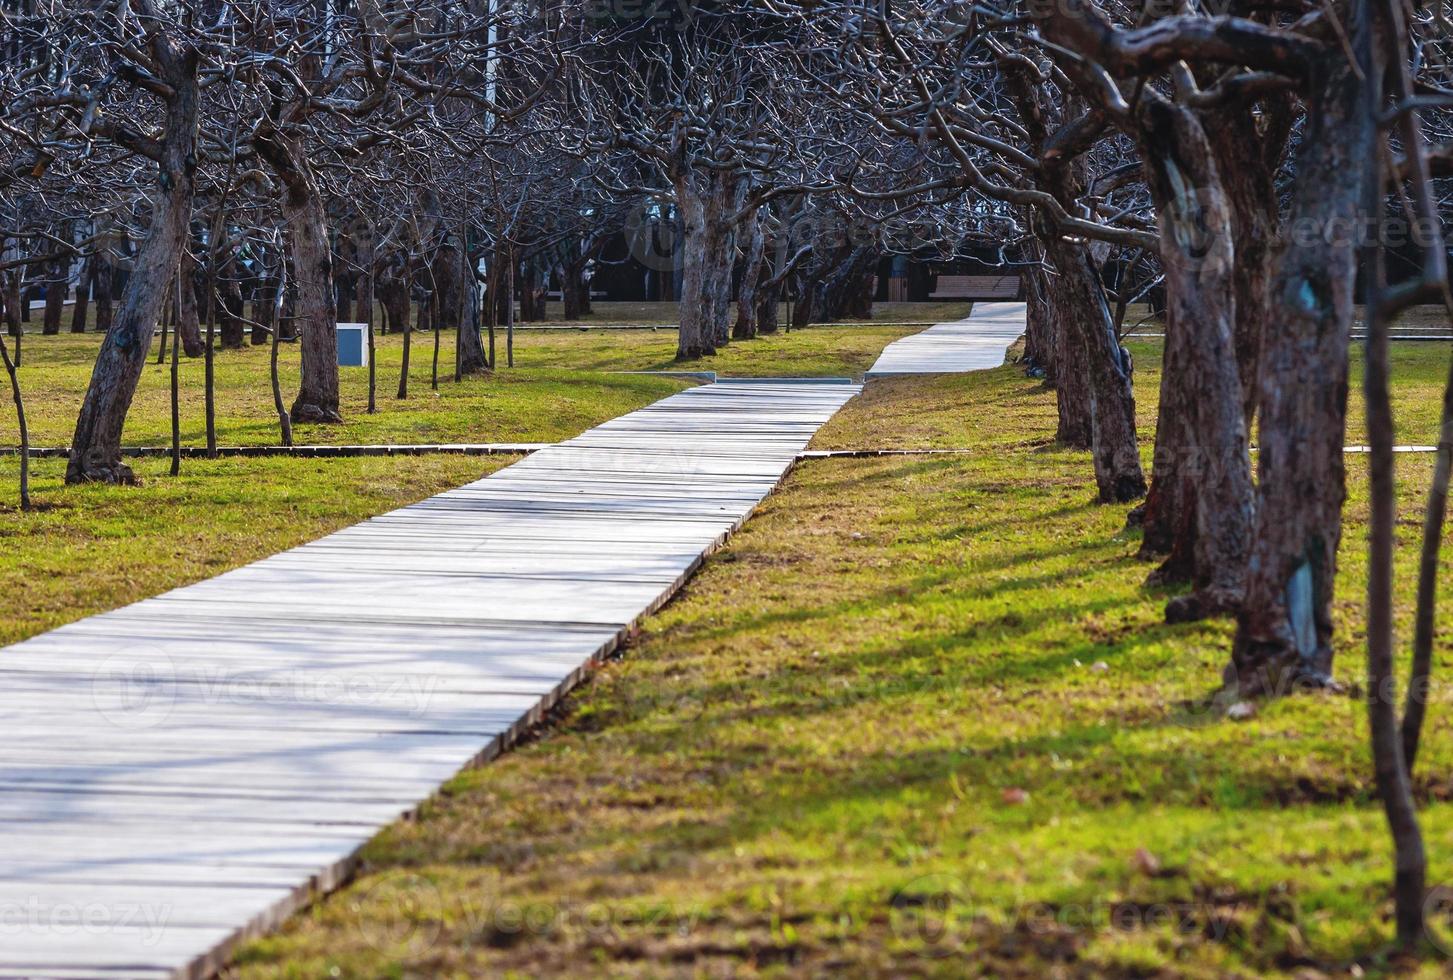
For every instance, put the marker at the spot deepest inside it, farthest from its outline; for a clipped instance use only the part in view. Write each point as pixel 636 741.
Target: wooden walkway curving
pixel 971 344
pixel 186 771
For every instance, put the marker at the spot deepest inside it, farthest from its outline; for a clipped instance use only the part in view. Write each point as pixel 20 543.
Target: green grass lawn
pixel 813 352
pixel 943 414
pixel 92 548
pixel 921 717
pixel 1419 374
pixel 563 382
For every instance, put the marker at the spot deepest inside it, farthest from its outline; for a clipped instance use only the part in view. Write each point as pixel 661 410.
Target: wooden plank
pixel 972 344
pixel 221 752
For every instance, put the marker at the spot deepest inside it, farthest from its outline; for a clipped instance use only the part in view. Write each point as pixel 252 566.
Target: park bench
pixel 976 287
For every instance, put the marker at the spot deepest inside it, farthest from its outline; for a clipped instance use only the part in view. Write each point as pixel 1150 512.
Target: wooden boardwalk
pixel 972 344
pixel 187 770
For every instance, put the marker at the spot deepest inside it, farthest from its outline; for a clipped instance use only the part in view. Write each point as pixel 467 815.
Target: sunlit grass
pixel 921 717
pixel 563 381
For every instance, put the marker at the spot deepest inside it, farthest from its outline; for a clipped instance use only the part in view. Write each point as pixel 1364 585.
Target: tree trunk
pixel 393 296
pixel 769 295
pixel 532 293
pixel 1039 332
pixel 499 292
pixel 1086 322
pixel 1249 147
pixel 12 371
pixel 838 285
pixel 769 302
pixel 232 313
pixel 1199 510
pixel 105 289
pixel 343 302
pixel 264 302
pixel 1075 427
pixel 408 329
pixel 1082 314
pixel 858 288
pixel 287 320
pixel 455 291
pixel 695 338
pixel 1284 630
pixel 706 275
pixel 56 288
pixel 83 294
pixel 307 222
pixel 574 290
pixel 96 445
pixel 10 282
pixel 1390 764
pixel 189 328
pixel 746 325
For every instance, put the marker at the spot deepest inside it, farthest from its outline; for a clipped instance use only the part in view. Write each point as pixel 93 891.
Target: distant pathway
pixel 965 345
pixel 186 771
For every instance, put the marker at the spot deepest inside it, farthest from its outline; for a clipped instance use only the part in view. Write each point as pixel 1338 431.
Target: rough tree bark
pixel 705 202
pixel 1284 630
pixel 83 294
pixel 574 290
pixel 455 289
pixel 393 296
pixel 264 299
pixel 1039 327
pixel 1075 427
pixel 1078 296
pixel 57 287
pixel 96 445
pixel 11 284
pixel 105 289
pixel 1084 317
pixel 533 306
pixel 836 285
pixel 499 292
pixel 189 327
pixel 747 311
pixel 1249 148
pixel 307 222
pixel 231 312
pixel 1199 509
pixel 769 293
